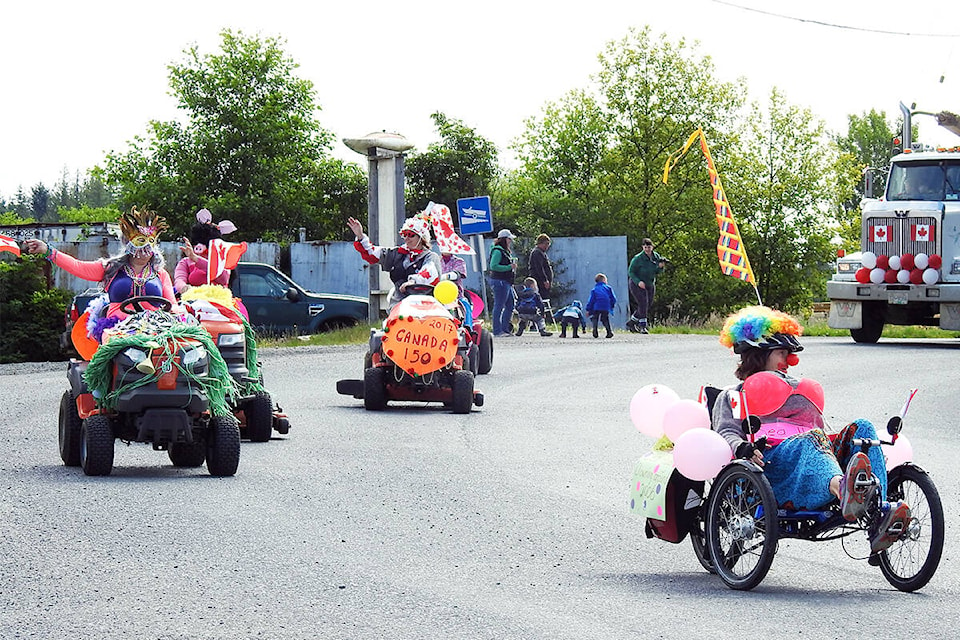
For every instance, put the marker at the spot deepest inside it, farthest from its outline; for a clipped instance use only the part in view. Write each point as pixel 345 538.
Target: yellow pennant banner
pixel 730 249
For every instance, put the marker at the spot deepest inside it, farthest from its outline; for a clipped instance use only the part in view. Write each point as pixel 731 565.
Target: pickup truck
pixel 277 304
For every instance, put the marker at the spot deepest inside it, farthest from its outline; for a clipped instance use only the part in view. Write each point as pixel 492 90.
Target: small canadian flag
pixel 921 233
pixel 738 404
pixel 881 233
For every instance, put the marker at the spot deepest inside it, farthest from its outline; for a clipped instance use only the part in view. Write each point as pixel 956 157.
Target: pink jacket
pixel 194 274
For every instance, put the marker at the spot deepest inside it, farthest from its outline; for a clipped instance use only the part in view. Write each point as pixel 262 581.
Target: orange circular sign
pixel 420 336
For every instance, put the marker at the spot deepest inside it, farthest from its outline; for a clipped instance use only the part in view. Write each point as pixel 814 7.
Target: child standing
pixel 572 316
pixel 601 303
pixel 530 308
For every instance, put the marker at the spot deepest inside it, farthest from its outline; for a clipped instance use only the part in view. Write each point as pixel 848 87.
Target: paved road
pixel 510 522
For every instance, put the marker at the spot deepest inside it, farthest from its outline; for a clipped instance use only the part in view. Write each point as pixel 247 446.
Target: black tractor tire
pixel 223 446
pixel 872 328
pixel 473 359
pixel 375 389
pixel 259 413
pixel 485 359
pixel 70 426
pixel 187 454
pixel 462 391
pixel 96 446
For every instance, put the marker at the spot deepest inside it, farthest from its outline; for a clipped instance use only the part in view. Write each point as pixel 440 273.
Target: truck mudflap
pixel 950 316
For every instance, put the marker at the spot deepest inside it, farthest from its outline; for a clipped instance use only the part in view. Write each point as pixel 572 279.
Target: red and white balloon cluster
pixel 905 269
pixel 699 453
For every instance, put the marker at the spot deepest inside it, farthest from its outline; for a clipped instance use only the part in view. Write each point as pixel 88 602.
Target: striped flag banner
pixel 730 250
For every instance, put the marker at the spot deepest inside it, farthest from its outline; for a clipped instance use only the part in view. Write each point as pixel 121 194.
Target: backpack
pixel 528 306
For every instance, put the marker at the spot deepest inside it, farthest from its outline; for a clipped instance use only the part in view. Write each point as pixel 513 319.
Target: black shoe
pixel 633 326
pixel 643 330
pixel 546 334
pixel 563 335
pixel 609 334
pixel 596 334
pixel 519 332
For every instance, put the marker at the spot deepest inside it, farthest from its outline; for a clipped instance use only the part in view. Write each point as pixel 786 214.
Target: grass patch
pixel 350 335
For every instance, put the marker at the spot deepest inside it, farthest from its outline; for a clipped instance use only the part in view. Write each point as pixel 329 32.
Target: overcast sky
pixel 83 78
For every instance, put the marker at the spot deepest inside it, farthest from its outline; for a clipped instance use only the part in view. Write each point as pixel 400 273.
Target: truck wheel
pixel 462 391
pixel 872 326
pixel 485 359
pixel 223 446
pixel 374 389
pixel 259 413
pixel 69 430
pixel 187 454
pixel 96 446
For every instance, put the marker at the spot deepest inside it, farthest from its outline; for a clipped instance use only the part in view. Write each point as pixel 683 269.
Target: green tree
pixel 30 313
pixel 249 149
pixel 781 184
pixel 40 203
pixel 462 165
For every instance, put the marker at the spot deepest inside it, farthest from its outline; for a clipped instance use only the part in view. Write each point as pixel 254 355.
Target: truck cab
pixel 908 269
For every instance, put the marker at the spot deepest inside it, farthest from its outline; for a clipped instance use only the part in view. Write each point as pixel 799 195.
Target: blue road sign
pixel 475 215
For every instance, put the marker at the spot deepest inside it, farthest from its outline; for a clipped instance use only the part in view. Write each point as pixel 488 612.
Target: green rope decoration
pixel 217 385
pixel 253 364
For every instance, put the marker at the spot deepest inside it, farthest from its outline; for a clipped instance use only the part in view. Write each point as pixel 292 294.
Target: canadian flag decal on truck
pixel 881 233
pixel 921 233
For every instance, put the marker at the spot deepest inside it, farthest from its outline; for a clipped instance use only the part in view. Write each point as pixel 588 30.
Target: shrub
pixel 31 313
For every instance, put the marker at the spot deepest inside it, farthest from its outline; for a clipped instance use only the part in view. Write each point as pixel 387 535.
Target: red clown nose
pixel 792 360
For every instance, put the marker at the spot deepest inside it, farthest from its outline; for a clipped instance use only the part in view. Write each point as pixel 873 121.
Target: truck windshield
pixel 931 181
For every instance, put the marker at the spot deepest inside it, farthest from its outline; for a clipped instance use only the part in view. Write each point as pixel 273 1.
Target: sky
pixel 82 79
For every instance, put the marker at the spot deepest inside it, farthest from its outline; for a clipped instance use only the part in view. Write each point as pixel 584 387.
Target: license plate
pixel 897 297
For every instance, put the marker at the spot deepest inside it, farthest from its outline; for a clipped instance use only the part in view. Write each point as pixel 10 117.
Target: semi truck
pixel 908 269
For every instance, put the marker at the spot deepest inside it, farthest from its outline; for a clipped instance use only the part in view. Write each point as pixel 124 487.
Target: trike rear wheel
pixel 741 526
pixel 910 562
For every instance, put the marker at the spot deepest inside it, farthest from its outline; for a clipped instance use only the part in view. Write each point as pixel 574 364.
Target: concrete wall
pixel 336 267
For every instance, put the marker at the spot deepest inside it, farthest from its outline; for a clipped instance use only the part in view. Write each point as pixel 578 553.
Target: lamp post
pixel 385 203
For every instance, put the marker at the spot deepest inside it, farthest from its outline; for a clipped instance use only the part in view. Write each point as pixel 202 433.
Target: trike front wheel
pixel 912 560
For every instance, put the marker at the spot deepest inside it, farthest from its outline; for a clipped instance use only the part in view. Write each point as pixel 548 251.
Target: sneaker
pixel 643 330
pixel 546 333
pixel 893 524
pixel 610 334
pixel 856 487
pixel 633 326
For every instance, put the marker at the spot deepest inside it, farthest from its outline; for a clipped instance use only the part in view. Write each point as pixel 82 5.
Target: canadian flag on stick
pixel 738 404
pixel 921 233
pixel 9 244
pixel 881 233
pixel 222 256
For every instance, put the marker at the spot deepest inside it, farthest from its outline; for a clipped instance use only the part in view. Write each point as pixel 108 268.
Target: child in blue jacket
pixel 571 316
pixel 601 304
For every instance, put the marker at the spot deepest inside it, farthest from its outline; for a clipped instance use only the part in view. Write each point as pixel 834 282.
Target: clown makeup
pixel 778 360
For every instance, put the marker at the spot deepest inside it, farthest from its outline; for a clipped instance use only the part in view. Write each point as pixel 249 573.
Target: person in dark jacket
pixel 539 266
pixel 643 271
pixel 601 304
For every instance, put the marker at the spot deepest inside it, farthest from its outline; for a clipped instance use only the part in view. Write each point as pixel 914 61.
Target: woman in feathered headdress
pixel 138 271
pixel 805 468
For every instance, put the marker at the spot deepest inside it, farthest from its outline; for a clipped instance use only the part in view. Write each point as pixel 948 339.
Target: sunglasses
pixel 408 234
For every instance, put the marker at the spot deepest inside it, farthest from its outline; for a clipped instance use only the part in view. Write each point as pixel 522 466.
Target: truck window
pixel 917 181
pixel 953 182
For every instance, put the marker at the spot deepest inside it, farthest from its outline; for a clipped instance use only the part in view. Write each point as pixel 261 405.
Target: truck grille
pixel 902 240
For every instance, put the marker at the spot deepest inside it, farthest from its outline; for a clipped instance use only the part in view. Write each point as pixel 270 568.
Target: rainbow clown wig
pixel 761 328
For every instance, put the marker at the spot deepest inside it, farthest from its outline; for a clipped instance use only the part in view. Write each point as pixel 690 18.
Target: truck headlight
pixel 230 339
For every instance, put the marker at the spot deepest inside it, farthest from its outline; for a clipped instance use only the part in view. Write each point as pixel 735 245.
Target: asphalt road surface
pixel 509 522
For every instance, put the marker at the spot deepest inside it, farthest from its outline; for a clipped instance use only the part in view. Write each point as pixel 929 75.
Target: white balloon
pixel 682 416
pixel 921 261
pixel 647 407
pixel 900 452
pixel 931 276
pixel 868 259
pixel 894 263
pixel 700 454
pixel 876 275
pixel 903 276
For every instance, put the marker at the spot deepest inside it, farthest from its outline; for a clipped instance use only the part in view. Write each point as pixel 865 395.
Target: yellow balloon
pixel 445 292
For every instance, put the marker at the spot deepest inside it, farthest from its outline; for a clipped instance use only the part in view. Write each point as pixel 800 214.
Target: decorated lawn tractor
pixel 420 355
pixel 218 313
pixel 156 379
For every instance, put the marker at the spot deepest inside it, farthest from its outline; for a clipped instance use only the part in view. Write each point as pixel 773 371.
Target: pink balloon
pixel 900 452
pixel 682 416
pixel 648 406
pixel 700 454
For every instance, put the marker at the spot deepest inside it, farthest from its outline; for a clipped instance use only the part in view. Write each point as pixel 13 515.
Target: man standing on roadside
pixel 539 265
pixel 643 271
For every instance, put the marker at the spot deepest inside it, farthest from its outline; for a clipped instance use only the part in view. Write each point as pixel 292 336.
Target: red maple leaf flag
pixel 9 244
pixel 222 256
pixel 881 233
pixel 738 404
pixel 922 233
